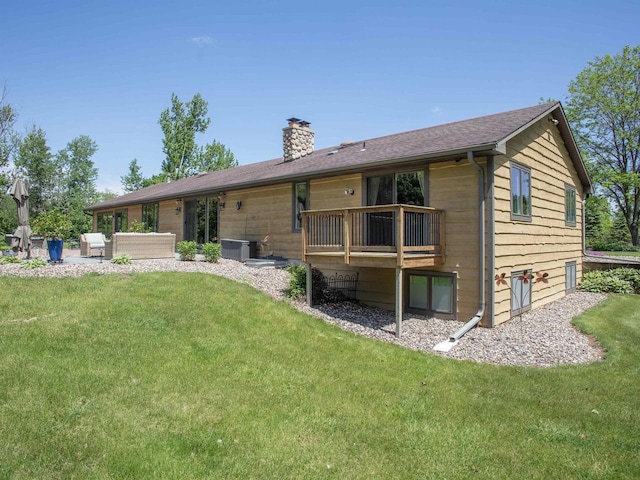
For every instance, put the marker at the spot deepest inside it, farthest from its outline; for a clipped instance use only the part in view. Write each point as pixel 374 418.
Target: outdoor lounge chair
pixel 92 245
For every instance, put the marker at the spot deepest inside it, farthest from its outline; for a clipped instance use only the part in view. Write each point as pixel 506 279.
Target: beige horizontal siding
pixel 168 221
pixel 329 192
pixel 453 187
pixel 545 243
pixel 267 211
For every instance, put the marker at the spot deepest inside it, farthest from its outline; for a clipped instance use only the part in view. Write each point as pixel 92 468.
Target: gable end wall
pixel 546 243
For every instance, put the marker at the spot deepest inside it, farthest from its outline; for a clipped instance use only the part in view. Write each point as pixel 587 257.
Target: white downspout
pixel 446 346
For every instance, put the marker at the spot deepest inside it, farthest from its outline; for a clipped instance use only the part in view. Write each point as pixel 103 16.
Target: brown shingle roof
pixel 477 134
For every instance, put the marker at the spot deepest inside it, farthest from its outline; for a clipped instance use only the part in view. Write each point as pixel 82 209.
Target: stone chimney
pixel 297 139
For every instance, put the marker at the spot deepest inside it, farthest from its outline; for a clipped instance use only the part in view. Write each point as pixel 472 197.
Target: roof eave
pixel 572 147
pixel 490 148
pixel 565 130
pixel 485 149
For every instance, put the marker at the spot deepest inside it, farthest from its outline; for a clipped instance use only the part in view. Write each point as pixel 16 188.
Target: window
pixel 570 270
pixel 410 188
pixel 520 192
pixel 120 221
pixel 150 216
pixel 521 292
pixel 570 205
pixel 201 220
pixel 300 203
pixel 105 223
pixel 431 293
pixel 407 188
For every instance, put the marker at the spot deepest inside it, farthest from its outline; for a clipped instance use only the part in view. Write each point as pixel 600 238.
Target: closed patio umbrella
pixel 22 234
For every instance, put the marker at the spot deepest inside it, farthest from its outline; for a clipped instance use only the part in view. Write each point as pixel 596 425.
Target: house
pixel 479 219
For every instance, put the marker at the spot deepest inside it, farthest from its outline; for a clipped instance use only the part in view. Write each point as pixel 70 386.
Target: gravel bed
pixel 543 337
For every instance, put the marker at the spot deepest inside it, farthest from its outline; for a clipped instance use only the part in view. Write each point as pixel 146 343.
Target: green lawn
pixel 171 375
pixel 622 254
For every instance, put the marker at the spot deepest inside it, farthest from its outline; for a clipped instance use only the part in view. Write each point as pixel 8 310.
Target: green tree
pixel 183 157
pixel 35 159
pixel 597 225
pixel 214 156
pixel 179 125
pixel 133 180
pixel 154 179
pixel 9 139
pixel 8 215
pixel 8 118
pixel 604 109
pixel 618 232
pixel 104 195
pixel 77 181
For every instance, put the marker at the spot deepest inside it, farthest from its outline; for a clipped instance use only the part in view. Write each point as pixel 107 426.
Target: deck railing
pixel 419 231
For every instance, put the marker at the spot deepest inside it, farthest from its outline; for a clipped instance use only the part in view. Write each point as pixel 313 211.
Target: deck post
pixel 304 236
pixel 400 236
pixel 346 232
pixel 309 285
pixel 443 227
pixel 399 305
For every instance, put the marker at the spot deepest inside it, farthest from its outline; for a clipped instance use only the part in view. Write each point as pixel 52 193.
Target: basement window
pixel 520 292
pixel 431 293
pixel 570 271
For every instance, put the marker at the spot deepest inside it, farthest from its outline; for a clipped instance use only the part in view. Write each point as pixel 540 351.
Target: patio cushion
pixel 95 240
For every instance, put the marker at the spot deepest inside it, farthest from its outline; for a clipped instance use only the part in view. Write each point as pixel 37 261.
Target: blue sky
pixel 354 69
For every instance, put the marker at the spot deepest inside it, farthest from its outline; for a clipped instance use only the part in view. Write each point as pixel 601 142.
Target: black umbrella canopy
pixel 20 194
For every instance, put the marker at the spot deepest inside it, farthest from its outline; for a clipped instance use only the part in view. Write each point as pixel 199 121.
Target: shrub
pixel 138 227
pixel 630 275
pixel 605 282
pixel 613 246
pixel 35 263
pixel 298 284
pixel 187 251
pixel 53 225
pixel 9 259
pixel 212 252
pixel 123 259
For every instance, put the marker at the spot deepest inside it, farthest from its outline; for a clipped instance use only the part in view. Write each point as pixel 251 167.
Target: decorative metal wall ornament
pixel 542 277
pixel 524 278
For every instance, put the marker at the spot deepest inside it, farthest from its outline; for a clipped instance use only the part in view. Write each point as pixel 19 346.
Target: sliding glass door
pixel 201 220
pixel 407 188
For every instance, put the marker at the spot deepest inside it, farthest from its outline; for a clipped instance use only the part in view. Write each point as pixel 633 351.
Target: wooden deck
pixel 370 236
